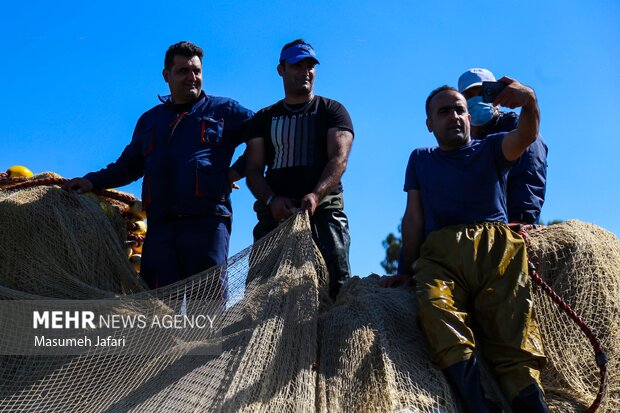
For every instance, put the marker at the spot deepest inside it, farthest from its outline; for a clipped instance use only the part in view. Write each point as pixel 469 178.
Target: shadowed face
pixel 184 78
pixel 448 119
pixel 471 92
pixel 298 77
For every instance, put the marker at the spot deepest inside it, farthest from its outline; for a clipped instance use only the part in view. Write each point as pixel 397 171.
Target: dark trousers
pixel 330 231
pixel 178 247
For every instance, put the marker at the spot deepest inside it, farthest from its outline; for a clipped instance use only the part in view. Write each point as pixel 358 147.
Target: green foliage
pixel 392 244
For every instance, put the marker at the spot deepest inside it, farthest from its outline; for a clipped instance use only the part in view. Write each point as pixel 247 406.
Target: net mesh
pixel 284 346
pixel 581 262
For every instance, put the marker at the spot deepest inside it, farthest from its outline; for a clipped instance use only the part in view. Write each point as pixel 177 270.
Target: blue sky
pixel 77 75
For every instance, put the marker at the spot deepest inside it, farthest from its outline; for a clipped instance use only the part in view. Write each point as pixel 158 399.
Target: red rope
pixel 36 182
pixel 135 238
pixel 599 355
pixel 126 198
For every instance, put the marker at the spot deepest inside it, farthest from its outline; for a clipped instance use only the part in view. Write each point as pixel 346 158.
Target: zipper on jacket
pixel 175 123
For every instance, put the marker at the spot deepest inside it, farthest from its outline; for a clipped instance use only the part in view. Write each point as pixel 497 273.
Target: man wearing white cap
pixel 304 140
pixel 527 179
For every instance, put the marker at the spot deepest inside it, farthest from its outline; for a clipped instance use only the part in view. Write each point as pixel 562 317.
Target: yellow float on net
pixel 135 261
pixel 136 210
pixel 137 248
pixel 18 171
pixel 139 228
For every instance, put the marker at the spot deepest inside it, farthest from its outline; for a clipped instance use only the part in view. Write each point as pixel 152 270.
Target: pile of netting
pixel 282 345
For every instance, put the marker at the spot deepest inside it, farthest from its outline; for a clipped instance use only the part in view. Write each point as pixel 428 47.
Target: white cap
pixel 474 77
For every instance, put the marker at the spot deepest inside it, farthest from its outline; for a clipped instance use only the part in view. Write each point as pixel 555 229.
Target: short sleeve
pixel 339 117
pixel 495 142
pixel 411 177
pixel 255 127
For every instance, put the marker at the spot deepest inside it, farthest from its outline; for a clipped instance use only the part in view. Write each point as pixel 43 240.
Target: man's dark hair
pixel 432 95
pixel 187 49
pixel 294 42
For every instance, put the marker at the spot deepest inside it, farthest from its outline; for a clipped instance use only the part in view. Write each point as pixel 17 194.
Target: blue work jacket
pixel 184 154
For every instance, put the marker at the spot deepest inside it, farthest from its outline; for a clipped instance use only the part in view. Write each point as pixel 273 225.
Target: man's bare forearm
pixel 529 120
pixel 332 173
pixel 258 185
pixel 518 95
pixel 339 144
pixel 412 230
pixel 412 237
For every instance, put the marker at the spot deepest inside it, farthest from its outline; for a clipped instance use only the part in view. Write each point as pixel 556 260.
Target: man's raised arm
pixel 513 96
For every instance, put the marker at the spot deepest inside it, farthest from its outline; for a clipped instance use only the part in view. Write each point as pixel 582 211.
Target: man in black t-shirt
pixel 304 140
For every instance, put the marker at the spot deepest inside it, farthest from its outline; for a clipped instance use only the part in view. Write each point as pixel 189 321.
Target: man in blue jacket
pixel 183 148
pixel 527 180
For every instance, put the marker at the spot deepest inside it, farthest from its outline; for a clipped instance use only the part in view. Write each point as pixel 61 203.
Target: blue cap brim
pixel 297 53
pixel 299 58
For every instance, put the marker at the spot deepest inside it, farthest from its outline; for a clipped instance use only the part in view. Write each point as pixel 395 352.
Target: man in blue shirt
pixel 527 179
pixel 183 148
pixel 469 266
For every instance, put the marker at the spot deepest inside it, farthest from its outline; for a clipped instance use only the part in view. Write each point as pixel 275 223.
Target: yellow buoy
pixel 139 228
pixel 136 210
pixel 137 248
pixel 18 171
pixel 135 261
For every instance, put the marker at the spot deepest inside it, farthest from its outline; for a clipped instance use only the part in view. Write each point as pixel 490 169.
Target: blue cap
pixel 297 52
pixel 474 77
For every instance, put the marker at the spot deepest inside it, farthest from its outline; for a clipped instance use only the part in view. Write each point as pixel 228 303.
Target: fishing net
pixel 581 262
pixel 279 344
pixel 56 244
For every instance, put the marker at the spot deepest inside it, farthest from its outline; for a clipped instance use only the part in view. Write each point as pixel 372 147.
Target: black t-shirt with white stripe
pixel 296 142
